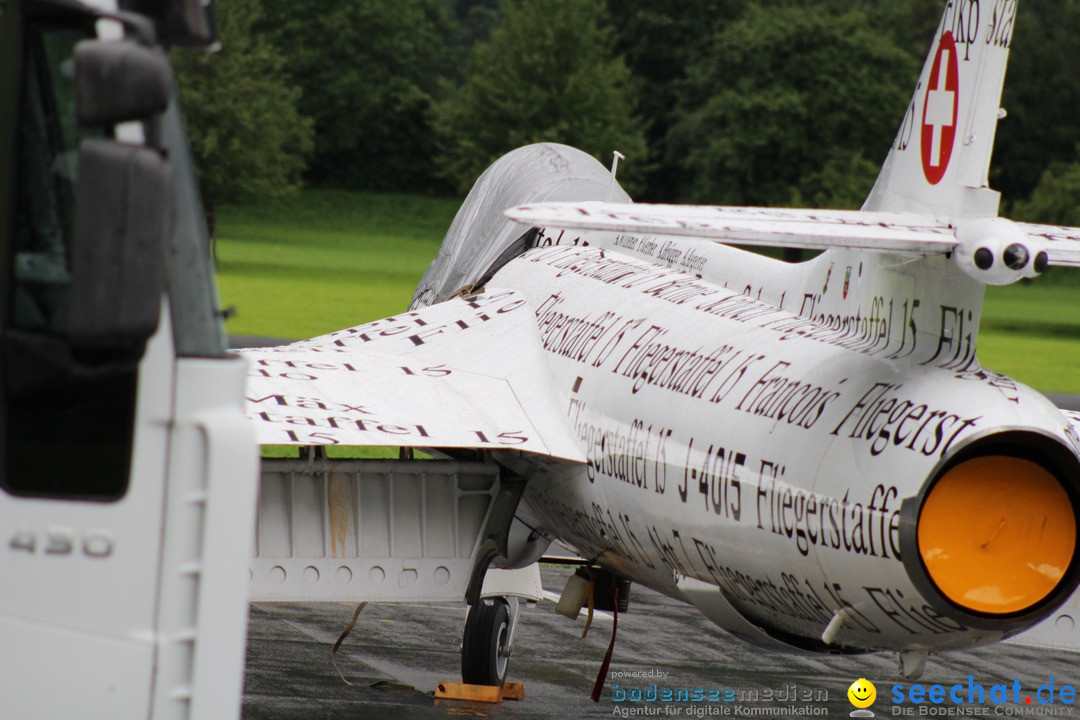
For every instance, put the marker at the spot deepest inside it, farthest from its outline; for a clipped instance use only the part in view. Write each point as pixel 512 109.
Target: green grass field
pixel 333 259
pixel 325 261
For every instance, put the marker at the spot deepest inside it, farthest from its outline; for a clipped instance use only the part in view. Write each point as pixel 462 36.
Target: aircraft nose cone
pixel 997 534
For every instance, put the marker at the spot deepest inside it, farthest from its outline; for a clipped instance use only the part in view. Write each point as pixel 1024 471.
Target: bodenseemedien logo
pixel 862 694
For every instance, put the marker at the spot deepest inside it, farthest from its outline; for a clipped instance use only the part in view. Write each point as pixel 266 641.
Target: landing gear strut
pixel 489 634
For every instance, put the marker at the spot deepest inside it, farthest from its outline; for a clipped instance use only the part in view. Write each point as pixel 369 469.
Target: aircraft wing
pixel 466 373
pixel 782 227
pixel 773 227
pixel 1062 243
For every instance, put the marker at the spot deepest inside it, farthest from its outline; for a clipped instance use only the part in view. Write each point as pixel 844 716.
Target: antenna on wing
pixel 616 156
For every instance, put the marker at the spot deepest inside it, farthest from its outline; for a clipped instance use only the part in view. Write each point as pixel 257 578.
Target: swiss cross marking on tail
pixel 940 110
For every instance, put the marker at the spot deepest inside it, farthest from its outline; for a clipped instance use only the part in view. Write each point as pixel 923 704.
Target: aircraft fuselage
pixel 765 453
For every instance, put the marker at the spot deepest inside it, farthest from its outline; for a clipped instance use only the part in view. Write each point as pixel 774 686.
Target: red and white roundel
pixel 940 108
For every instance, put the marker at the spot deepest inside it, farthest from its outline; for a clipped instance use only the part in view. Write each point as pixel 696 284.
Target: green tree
pixel 248 139
pixel 911 23
pixel 547 74
pixel 792 104
pixel 659 39
pixel 473 21
pixel 1056 199
pixel 1042 97
pixel 369 71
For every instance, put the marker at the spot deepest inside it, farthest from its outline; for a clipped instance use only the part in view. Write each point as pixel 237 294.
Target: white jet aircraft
pixel 809 453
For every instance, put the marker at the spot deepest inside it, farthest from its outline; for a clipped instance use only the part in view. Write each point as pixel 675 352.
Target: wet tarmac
pixel 398 653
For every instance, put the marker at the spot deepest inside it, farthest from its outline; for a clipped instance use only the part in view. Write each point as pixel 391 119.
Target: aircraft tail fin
pixel 939 163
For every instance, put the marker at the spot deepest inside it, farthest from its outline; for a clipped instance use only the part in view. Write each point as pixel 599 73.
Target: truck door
pixel 80 514
pixel 114 440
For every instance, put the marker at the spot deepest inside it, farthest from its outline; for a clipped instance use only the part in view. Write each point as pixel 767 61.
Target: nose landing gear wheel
pixel 485 649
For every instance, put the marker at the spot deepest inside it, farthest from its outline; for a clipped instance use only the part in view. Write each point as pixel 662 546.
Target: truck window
pixel 48 168
pixel 67 421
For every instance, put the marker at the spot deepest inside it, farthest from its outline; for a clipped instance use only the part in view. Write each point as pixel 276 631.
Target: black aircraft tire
pixel 485 633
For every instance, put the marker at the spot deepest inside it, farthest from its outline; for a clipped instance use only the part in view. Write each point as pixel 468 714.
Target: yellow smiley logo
pixel 862 693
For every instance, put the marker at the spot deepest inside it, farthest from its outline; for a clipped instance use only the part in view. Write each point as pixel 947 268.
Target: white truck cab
pixel 127 467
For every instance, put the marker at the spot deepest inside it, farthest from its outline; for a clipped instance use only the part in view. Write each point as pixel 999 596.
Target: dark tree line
pixel 720 101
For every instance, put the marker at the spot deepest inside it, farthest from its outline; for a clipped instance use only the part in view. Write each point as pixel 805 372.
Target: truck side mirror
pixel 123 201
pixel 120 81
pixel 178 22
pixel 123 209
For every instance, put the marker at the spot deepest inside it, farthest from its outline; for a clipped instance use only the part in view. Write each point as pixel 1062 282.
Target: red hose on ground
pixel 598 688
